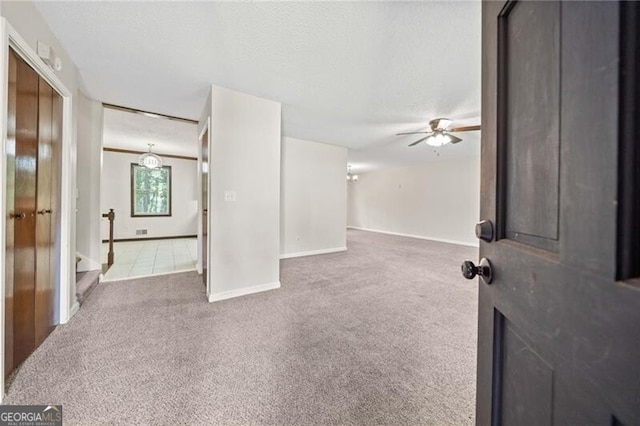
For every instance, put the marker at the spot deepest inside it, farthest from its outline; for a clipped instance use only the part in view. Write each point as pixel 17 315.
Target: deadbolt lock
pixel 484 230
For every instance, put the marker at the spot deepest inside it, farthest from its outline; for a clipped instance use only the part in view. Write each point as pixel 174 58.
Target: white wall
pixel 116 194
pixel 313 198
pixel 439 200
pixel 244 238
pixel 88 214
pixel 27 21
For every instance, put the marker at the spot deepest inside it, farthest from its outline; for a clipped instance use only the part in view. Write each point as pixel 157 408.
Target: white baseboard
pixel 87 264
pixel 421 237
pixel 215 297
pixel 313 252
pixel 157 274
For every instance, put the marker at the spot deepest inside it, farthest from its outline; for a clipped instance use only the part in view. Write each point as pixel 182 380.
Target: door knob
pixel 469 270
pixel 48 211
pixel 42 212
pixel 18 215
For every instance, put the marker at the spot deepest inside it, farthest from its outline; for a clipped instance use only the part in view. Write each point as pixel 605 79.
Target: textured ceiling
pixel 134 131
pixel 347 73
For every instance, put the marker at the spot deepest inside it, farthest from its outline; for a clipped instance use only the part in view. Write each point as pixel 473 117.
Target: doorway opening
pixel 204 179
pixel 151 210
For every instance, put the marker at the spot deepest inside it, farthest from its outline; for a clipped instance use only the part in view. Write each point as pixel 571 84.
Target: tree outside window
pixel 150 191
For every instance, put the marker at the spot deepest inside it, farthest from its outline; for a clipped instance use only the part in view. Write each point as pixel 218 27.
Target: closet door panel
pixel 10 183
pixel 25 206
pixel 44 289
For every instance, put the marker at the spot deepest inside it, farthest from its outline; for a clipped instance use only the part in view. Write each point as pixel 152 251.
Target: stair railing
pixel 111 216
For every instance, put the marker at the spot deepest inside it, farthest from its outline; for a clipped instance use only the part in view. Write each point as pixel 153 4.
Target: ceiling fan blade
pixel 418 141
pixel 410 133
pixel 454 139
pixel 465 129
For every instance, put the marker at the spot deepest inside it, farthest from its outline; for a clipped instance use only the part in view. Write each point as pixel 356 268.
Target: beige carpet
pixel 382 334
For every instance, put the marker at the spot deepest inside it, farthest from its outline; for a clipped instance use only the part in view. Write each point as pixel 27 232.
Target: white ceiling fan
pixel 440 133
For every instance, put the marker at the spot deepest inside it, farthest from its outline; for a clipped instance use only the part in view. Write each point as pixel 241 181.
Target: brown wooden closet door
pixel 24 223
pixel 34 139
pixel 44 289
pixel 10 188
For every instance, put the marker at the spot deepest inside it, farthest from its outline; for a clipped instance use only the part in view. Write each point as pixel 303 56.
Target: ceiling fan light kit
pixel 438 139
pixel 439 135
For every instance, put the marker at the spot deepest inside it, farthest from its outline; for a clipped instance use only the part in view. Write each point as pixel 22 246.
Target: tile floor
pixel 150 257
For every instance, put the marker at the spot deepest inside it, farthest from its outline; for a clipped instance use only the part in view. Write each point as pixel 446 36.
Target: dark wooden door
pixel 204 175
pixel 559 325
pixel 22 218
pixel 44 308
pixel 12 107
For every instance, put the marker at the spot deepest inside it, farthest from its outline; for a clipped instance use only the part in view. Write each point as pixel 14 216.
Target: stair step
pixel 85 283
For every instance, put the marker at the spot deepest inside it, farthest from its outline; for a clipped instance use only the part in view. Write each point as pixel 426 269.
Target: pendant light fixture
pixel 150 160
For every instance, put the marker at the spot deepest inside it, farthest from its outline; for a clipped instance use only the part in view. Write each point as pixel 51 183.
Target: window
pixel 150 191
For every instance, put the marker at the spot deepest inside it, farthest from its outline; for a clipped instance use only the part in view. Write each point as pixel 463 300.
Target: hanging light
pixel 150 160
pixel 438 138
pixel 351 177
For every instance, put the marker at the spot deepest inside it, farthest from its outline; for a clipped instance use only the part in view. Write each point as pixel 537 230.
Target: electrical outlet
pixel 230 196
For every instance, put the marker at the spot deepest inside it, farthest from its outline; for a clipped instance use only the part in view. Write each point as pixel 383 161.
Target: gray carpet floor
pixel 384 333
